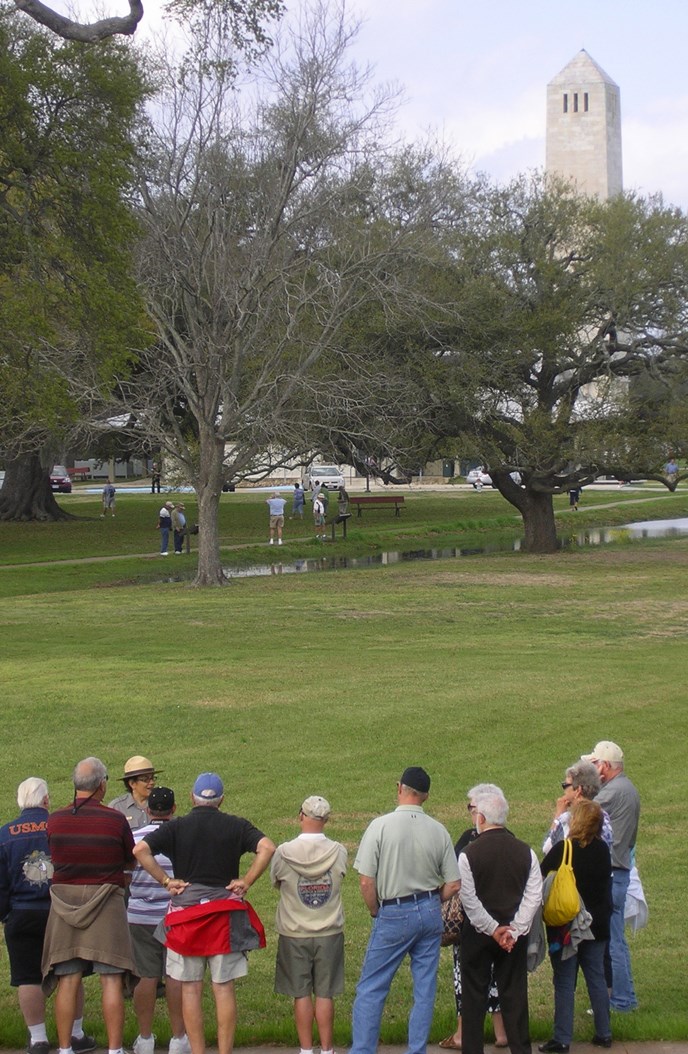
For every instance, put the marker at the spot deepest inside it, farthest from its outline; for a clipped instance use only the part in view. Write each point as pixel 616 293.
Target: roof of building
pixel 582 68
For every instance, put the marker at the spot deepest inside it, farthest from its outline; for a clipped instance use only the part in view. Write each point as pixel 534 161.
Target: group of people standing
pixel 320 503
pixel 63 876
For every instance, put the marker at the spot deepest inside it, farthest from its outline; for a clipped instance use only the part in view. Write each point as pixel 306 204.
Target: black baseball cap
pixel 416 778
pixel 161 799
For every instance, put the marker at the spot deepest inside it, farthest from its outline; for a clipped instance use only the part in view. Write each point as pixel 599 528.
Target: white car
pixel 479 478
pixel 330 476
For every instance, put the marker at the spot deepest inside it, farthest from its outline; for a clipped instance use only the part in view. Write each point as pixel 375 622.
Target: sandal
pixel 449 1043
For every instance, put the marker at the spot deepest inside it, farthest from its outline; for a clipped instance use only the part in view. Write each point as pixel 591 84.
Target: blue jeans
pixel 590 957
pixel 412 929
pixel 623 992
pixel 164 539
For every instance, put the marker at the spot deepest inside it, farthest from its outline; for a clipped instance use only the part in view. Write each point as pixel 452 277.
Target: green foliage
pixel 68 304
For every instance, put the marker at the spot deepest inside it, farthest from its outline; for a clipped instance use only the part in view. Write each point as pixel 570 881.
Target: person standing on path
pixel 91 848
pixel 319 517
pixel 146 908
pixel 621 800
pixel 501 890
pixel 298 501
pixel 276 505
pixel 178 527
pixel 205 848
pixel 25 875
pixel 407 866
pixel 165 526
pixel 308 871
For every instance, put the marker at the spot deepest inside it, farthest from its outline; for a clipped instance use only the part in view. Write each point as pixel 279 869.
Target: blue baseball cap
pixel 209 786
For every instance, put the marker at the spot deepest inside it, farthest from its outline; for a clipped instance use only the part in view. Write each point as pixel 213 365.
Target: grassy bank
pixel 501 667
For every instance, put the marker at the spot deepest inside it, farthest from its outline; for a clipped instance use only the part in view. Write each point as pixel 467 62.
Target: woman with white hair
pixel 25 874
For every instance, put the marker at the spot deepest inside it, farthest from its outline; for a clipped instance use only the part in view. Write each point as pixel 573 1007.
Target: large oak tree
pixel 562 306
pixel 68 115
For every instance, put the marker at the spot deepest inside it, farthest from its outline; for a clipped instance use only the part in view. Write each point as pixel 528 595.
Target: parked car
pixel 329 475
pixel 60 480
pixel 479 478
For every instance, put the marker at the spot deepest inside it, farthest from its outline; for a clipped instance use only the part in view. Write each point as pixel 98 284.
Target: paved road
pixel 620 1047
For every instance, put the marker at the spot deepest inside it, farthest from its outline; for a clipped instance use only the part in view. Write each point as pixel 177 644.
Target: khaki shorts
pixel 277 521
pixel 192 967
pixel 310 966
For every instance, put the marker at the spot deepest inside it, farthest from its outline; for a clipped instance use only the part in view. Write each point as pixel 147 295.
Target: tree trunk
pixel 208 491
pixel 538 522
pixel 26 493
pixel 537 510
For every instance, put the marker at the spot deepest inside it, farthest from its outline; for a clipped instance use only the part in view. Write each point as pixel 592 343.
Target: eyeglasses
pixel 145 779
pixel 564 786
pixel 471 808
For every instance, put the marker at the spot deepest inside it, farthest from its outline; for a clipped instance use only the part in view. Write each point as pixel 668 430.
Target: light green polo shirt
pixel 406 851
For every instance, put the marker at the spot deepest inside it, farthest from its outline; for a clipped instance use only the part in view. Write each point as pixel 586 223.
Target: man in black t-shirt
pixel 205 848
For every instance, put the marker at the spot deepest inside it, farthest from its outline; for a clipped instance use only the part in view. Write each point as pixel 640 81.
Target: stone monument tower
pixel 584 128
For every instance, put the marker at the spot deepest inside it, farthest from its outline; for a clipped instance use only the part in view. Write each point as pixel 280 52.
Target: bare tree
pixel 272 220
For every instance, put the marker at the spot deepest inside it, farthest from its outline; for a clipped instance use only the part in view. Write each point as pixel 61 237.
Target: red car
pixel 59 480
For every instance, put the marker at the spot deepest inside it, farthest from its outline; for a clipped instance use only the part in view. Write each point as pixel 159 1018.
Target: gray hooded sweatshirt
pixel 308 872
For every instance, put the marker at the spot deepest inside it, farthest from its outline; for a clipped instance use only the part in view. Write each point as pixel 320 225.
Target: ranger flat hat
pixel 138 766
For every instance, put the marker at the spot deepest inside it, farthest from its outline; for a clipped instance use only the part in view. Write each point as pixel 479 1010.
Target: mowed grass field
pixel 502 668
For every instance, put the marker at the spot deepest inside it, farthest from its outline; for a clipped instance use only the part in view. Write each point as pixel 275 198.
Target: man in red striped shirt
pixel 90 848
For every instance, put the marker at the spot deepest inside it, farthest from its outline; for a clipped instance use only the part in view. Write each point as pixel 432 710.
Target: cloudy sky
pixel 478 71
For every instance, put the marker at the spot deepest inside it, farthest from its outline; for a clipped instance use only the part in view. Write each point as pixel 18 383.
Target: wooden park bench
pixel 397 500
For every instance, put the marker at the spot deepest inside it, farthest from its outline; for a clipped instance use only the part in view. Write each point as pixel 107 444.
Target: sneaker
pixel 180 1045
pixel 602 1041
pixel 163 554
pixel 144 1046
pixel 279 542
pixel 271 541
pixel 84 1043
pixel 40 1047
pixel 553 1047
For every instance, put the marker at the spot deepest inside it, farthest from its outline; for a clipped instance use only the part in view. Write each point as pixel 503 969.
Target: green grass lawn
pixel 502 668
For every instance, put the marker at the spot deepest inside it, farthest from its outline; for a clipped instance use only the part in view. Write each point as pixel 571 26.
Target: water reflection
pixel 579 539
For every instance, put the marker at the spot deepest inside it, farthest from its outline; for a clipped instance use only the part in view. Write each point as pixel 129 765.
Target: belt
pixel 425 895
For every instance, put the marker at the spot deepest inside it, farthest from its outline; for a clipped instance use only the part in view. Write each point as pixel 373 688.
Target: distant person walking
pixel 155 478
pixel 298 501
pixel 574 497
pixel 165 526
pixel 276 505
pixel 109 495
